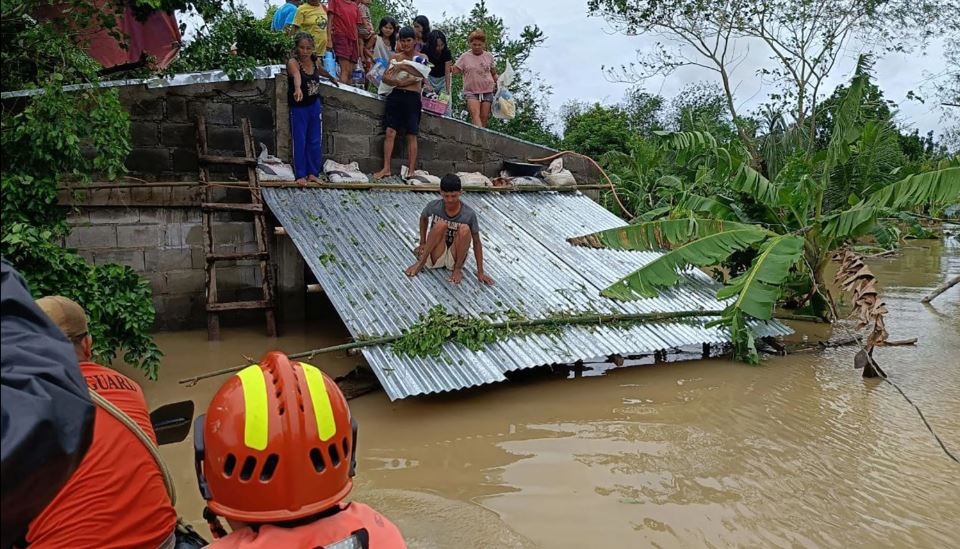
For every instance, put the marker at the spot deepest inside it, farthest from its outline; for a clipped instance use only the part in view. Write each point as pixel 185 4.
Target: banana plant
pixel 782 224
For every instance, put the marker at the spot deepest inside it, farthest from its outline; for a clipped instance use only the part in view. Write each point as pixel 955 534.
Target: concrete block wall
pixel 353 132
pixel 162 126
pixel 165 245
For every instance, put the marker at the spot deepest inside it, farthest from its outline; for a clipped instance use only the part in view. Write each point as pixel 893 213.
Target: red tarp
pixel 157 36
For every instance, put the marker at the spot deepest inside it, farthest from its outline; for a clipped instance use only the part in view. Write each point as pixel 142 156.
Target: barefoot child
pixel 402 109
pixel 306 113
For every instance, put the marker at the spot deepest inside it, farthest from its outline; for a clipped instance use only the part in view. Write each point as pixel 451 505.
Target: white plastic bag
pixel 271 168
pixel 375 75
pixel 557 176
pixel 419 177
pixel 474 179
pixel 344 173
pixel 504 106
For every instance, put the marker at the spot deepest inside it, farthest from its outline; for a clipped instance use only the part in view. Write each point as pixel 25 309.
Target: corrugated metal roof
pixel 358 244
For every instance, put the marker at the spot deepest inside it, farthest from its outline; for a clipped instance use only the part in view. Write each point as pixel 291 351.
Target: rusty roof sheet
pixel 358 244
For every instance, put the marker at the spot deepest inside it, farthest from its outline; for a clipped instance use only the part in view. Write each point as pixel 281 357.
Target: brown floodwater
pixel 799 452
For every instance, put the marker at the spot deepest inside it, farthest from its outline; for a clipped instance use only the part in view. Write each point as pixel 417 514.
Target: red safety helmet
pixel 276 444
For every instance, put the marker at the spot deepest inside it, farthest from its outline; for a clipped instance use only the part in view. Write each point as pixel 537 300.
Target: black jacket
pixel 47 412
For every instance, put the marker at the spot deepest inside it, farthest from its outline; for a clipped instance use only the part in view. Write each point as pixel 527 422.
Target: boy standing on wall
pixel 403 107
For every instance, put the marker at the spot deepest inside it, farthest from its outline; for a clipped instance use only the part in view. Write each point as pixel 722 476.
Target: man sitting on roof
pixel 452 226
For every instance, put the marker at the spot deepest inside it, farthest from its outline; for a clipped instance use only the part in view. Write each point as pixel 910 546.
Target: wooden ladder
pixel 255 207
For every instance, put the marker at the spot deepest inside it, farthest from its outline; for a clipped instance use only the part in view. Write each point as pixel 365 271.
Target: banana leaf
pixel 758 289
pixel 656 235
pixel 664 271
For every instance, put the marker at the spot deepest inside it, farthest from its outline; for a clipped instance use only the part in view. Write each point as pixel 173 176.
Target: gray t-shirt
pixel 434 210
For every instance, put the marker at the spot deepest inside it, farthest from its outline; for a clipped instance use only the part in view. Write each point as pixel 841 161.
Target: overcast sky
pixel 577 46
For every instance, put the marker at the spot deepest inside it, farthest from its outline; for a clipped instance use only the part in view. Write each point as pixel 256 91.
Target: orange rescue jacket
pixel 351 519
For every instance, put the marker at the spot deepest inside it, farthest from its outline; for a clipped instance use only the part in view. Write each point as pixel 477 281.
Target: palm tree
pixel 789 228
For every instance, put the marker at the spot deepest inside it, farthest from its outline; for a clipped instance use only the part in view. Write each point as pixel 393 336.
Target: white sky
pixel 577 46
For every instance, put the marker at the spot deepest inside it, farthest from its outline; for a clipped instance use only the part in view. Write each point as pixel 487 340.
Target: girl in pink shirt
pixel 479 78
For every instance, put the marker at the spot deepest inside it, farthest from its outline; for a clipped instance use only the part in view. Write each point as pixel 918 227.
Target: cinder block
pixel 130 258
pixel 158 283
pixel 138 236
pixel 178 135
pixel 260 116
pixel 192 235
pixel 176 109
pixel 153 215
pixel 167 259
pixel 229 233
pixel 146 109
pixel 188 281
pixel 148 160
pixel 114 215
pixel 91 237
pixel 228 139
pixel 215 113
pixel 351 147
pixel 185 161
pixel 144 133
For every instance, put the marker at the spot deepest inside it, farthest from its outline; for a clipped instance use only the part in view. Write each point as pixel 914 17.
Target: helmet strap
pixel 213 522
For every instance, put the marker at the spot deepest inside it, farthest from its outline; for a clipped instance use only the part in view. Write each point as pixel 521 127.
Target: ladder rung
pixel 256 208
pixel 238 256
pixel 216 307
pixel 234 160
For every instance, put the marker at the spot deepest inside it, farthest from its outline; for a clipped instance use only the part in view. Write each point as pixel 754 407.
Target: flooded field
pixel 798 452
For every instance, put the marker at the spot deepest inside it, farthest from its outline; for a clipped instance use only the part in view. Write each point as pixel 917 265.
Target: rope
pixel 925 422
pixel 613 188
pixel 123 418
pixel 884 377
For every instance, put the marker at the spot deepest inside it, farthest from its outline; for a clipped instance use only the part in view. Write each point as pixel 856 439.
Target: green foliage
pixel 597 130
pixel 664 271
pixel 936 187
pixel 773 237
pixel 66 136
pixel 256 44
pixel 426 337
pixel 401 10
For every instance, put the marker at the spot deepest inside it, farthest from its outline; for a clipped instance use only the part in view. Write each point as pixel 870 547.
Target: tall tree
pixel 803 39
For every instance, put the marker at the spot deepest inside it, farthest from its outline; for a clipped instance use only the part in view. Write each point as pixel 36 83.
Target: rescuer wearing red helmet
pixel 275 455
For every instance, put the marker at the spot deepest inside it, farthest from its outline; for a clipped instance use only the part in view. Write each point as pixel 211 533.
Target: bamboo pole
pixel 941 288
pixel 594 319
pixel 338 186
pixel 431 188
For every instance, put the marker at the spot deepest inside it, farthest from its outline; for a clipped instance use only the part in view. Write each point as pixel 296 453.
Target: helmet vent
pixel 249 465
pixel 229 465
pixel 269 467
pixel 299 391
pixel 346 448
pixel 334 455
pixel 317 458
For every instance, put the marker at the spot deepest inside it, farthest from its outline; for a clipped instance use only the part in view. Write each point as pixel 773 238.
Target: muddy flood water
pixel 798 452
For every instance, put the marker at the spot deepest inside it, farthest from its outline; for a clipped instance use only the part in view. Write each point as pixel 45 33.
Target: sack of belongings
pixel 419 177
pixel 271 168
pixel 344 173
pixel 503 106
pixel 555 175
pixel 475 179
